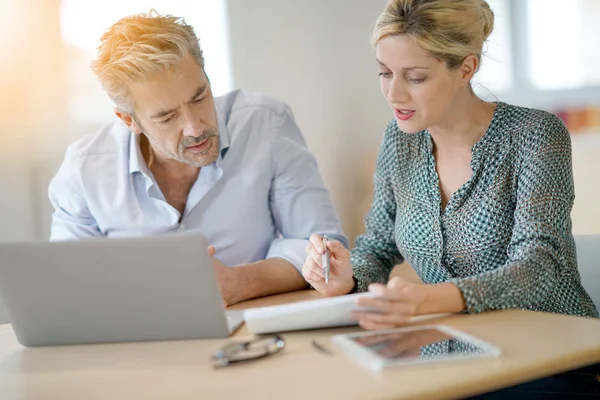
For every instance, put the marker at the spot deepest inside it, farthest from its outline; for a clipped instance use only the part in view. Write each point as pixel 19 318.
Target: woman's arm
pixel 537 252
pixel 375 252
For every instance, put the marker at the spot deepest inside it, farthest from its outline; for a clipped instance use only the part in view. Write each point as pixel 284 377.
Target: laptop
pixel 113 290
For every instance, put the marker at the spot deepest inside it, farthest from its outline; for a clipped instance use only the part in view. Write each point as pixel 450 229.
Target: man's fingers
pixel 211 250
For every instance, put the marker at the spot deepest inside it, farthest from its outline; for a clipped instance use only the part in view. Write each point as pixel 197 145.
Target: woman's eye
pixel 416 80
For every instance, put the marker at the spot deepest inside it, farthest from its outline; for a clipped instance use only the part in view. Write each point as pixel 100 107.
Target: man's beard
pixel 187 142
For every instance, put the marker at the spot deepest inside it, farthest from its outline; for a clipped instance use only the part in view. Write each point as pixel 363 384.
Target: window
pixel 496 75
pixel 563 43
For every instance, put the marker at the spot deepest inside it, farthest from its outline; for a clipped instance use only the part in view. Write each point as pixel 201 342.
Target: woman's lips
pixel 404 114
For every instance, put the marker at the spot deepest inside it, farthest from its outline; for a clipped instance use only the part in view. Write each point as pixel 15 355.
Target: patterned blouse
pixel 504 238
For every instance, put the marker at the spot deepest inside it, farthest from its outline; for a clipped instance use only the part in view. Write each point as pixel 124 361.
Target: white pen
pixel 325 259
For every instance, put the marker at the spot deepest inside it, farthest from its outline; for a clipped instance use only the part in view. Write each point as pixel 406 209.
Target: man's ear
pixel 129 121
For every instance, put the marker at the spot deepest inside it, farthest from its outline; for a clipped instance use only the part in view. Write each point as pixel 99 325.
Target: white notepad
pixel 312 314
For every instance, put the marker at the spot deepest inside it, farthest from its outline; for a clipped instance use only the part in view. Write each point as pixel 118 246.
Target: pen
pixel 320 348
pixel 325 259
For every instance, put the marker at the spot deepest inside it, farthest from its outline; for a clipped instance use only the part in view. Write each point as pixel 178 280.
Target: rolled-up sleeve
pixel 299 202
pixel 71 219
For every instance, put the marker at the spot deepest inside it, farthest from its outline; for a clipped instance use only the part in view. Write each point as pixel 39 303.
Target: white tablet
pixel 412 345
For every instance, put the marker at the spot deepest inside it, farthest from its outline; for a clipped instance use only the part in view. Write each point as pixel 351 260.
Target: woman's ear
pixel 468 68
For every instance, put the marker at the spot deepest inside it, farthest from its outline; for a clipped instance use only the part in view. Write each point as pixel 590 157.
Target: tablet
pixel 376 350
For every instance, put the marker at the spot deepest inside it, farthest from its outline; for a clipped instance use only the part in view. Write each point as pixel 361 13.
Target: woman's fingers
pixel 338 251
pixel 395 290
pixel 311 271
pixel 317 242
pixel 393 319
pixel 373 326
pixel 384 306
pixel 311 251
pixel 336 248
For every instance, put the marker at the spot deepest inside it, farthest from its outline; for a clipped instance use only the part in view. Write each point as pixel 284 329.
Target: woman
pixel 475 196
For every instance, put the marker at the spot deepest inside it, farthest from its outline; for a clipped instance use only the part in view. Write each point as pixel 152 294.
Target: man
pixel 234 168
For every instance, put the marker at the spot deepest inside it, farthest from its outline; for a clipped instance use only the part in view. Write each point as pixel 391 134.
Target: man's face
pixel 175 109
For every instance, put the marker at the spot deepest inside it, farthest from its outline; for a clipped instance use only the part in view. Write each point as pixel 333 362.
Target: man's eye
pixel 164 121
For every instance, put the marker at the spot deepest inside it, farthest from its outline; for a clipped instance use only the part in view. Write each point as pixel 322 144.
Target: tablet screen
pixel 421 344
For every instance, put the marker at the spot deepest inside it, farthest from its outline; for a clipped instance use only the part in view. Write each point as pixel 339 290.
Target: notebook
pixel 311 314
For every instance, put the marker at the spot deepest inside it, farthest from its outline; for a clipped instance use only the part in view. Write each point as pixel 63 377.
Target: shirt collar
pixel 136 159
pixel 223 131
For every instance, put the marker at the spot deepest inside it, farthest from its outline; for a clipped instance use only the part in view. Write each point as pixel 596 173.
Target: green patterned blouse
pixel 504 238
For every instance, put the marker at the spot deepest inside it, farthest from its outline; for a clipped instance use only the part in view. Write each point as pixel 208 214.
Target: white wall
pixel 32 115
pixel 32 111
pixel 316 56
pixel 586 172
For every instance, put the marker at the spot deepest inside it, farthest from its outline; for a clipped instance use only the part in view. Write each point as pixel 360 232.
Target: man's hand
pixel 226 280
pixel 261 278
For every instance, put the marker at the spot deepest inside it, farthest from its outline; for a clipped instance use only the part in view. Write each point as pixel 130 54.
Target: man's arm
pixel 299 201
pixel 262 278
pixel 71 219
pixel 300 205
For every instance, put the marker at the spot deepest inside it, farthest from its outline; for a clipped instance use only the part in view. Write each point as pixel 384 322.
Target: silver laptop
pixel 113 290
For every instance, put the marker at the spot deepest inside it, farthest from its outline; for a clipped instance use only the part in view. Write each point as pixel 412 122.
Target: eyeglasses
pixel 237 352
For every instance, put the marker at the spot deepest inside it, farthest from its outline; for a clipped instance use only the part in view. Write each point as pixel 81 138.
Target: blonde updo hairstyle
pixel 449 30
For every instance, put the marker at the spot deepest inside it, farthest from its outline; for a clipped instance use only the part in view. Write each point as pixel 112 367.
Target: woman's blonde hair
pixel 139 46
pixel 449 30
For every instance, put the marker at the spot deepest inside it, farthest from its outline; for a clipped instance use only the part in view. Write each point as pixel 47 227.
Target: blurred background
pixel 313 54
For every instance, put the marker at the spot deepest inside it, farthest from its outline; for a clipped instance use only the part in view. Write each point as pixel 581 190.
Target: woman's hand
pixel 340 274
pixel 395 304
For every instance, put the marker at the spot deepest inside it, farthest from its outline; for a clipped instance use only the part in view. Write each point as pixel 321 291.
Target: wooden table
pixel 534 345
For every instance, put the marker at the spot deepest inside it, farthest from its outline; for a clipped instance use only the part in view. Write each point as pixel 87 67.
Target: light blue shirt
pixel 262 198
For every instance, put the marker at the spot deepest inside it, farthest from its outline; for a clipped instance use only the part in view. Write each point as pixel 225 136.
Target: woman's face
pixel 419 88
